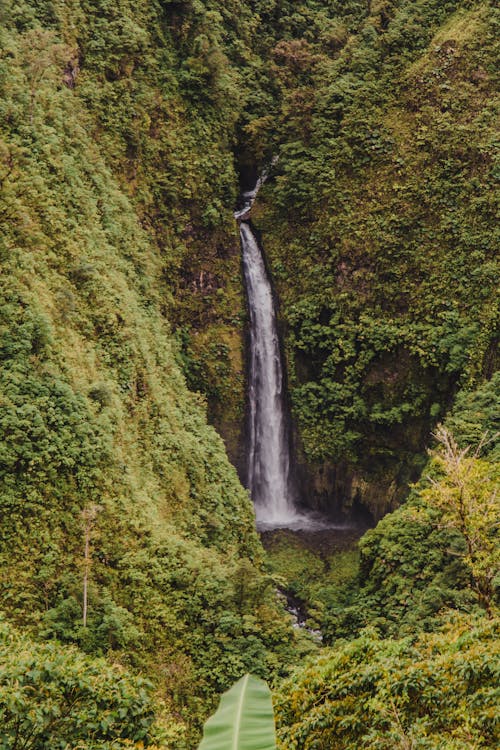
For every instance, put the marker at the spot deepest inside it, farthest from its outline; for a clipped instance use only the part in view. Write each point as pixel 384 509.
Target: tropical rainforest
pixel 134 587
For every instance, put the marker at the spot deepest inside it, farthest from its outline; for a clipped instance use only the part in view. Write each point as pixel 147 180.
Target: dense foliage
pixel 109 473
pixel 431 691
pixel 439 551
pixel 55 697
pixel 380 227
pixel 125 535
pixel 377 218
pixel 415 659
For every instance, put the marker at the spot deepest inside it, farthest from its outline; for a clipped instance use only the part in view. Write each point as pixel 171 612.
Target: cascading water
pixel 269 455
pixel 269 475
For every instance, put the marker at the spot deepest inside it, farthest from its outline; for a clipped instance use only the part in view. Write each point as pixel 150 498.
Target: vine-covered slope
pixel 124 531
pixel 380 227
pixel 111 147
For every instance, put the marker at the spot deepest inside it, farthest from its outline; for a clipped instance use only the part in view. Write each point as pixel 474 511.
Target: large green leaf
pixel 244 719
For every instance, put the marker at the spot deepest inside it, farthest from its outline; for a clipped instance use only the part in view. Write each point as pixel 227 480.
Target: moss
pixel 102 173
pixel 377 223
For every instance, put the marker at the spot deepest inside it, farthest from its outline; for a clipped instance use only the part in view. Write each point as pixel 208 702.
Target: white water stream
pixel 269 457
pixel 269 478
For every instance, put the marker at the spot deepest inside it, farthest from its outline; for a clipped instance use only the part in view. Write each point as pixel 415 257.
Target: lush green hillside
pixel 377 219
pixel 431 691
pixel 131 575
pixel 380 227
pixel 413 658
pixel 100 438
pixel 440 551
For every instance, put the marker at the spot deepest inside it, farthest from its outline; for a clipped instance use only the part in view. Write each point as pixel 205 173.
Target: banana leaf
pixel 244 719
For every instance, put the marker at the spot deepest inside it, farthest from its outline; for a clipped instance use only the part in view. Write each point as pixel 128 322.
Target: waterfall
pixel 269 456
pixel 269 476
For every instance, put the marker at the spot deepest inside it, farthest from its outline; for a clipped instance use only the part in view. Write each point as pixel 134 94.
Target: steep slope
pixel 101 442
pixel 413 653
pixel 124 528
pixel 379 224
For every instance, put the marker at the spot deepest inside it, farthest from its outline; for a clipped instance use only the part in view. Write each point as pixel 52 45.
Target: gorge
pixel 134 585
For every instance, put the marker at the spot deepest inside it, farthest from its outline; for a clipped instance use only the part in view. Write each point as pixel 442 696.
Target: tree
pixel 89 516
pixel 54 696
pixel 466 493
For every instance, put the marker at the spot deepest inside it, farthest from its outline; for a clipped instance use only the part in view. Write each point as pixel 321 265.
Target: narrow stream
pixel 269 454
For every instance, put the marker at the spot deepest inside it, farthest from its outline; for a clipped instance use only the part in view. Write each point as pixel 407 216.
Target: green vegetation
pixel 431 691
pixel 118 503
pixel 439 551
pixel 475 419
pixel 244 719
pixel 416 658
pixel 377 218
pixel 54 697
pixel 317 577
pixel 380 227
pixel 133 584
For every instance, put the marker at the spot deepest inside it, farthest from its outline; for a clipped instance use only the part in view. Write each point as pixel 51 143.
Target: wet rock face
pixel 345 494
